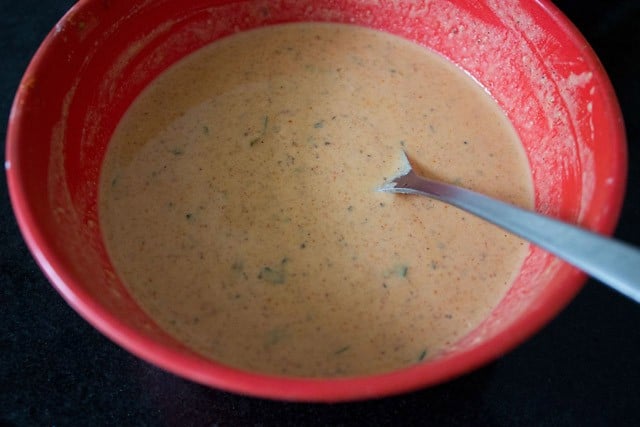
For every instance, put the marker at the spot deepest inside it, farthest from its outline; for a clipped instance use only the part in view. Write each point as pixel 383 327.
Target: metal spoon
pixel 614 263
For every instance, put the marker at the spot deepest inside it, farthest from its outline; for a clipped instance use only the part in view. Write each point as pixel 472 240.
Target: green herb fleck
pixel 189 215
pixel 399 270
pixel 205 130
pixel 342 349
pixel 319 125
pixel 422 355
pixel 263 132
pixel 274 275
pixel 177 151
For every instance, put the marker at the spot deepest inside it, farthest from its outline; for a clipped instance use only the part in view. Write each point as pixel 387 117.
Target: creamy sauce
pixel 238 201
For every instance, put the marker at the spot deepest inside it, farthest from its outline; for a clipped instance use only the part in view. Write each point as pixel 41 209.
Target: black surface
pixel 583 369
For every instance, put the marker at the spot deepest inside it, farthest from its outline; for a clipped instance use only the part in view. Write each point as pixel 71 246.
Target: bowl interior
pixel 529 58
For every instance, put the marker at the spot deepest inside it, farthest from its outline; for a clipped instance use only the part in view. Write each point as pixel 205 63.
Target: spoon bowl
pixel 612 262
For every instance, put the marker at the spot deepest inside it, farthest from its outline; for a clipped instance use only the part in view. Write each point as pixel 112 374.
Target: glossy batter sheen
pixel 238 201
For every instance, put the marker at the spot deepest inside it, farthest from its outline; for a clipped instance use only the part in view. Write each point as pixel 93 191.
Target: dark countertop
pixel 582 369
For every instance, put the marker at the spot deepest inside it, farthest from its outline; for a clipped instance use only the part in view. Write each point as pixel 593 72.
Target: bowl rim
pixel 210 373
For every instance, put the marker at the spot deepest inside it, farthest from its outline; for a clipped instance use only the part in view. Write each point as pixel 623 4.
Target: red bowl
pixel 95 61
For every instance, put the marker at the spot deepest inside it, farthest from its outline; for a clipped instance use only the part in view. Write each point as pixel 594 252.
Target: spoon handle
pixel 614 263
